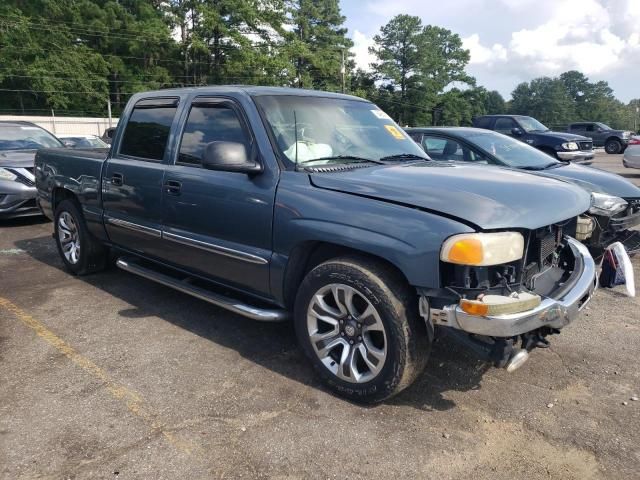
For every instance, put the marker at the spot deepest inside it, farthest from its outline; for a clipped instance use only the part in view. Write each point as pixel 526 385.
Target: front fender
pixel 408 238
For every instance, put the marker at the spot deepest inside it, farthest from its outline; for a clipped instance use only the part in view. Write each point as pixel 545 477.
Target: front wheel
pixel 613 147
pixel 357 321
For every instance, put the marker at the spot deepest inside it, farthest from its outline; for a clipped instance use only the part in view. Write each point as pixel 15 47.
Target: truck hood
pixel 595 180
pixel 487 198
pixel 560 136
pixel 17 158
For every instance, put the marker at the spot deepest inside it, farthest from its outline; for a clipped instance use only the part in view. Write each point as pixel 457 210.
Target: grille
pixel 24 177
pixel 585 145
pixel 547 246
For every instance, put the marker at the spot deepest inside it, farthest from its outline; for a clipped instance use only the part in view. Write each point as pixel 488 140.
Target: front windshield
pixel 26 137
pixel 509 151
pixel 603 126
pixel 321 130
pixel 531 125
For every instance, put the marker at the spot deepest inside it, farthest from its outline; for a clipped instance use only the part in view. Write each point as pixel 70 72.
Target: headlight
pixel 570 146
pixel 482 249
pixel 603 204
pixel 6 174
pixel 626 134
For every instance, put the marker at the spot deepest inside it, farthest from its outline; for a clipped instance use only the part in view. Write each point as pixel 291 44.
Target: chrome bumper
pixel 576 155
pixel 554 313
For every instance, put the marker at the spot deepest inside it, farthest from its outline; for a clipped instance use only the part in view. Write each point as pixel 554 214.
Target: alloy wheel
pixel 347 333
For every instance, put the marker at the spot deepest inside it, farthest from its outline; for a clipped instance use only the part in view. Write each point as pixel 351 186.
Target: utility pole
pixel 109 110
pixel 342 70
pixel 53 119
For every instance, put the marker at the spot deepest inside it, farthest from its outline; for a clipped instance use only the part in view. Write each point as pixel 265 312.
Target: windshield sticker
pixel 395 133
pixel 380 114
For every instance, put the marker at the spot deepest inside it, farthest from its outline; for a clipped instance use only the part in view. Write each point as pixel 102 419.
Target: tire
pixel 368 304
pixel 613 146
pixel 80 251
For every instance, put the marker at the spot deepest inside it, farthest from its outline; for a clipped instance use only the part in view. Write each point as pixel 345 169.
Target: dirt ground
pixel 113 376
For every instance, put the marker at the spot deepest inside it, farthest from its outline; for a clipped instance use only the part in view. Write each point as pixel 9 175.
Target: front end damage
pixel 600 229
pixel 504 311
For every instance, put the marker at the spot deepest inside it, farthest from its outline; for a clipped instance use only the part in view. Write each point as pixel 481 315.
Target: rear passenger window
pixel 209 123
pixel 147 130
pixel 483 122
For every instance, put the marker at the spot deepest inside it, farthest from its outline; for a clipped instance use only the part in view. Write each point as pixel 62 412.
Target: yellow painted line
pixel 130 398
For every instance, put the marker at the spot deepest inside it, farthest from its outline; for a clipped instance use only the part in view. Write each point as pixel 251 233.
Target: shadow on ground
pixel 271 345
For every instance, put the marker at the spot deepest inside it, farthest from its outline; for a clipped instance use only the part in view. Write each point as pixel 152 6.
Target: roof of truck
pixel 252 90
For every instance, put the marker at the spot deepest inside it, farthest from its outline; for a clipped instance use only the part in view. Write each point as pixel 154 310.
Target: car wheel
pixel 357 320
pixel 613 147
pixel 80 251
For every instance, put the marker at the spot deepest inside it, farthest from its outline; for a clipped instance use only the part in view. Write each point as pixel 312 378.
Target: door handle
pixel 172 187
pixel 117 179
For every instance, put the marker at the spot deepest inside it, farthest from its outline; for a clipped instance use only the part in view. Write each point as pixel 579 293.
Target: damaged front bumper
pixel 554 311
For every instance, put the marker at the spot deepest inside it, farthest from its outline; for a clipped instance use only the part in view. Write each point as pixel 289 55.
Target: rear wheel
pixel 80 251
pixel 613 146
pixel 358 323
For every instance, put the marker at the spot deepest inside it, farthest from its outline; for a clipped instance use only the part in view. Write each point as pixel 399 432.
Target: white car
pixel 82 141
pixel 631 157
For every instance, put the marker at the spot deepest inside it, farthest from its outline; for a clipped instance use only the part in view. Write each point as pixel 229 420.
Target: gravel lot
pixel 113 376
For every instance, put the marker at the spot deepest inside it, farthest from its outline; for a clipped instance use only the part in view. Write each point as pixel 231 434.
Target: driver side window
pixel 446 149
pixel 505 126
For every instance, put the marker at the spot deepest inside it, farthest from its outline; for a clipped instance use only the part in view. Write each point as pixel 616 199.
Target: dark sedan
pixel 615 201
pixel 19 142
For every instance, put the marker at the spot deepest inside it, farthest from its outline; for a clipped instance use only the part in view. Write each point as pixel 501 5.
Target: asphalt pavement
pixel 112 376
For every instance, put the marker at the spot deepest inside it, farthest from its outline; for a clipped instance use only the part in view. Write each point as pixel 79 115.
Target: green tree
pixel 545 99
pixel 416 64
pixel 494 103
pixel 318 45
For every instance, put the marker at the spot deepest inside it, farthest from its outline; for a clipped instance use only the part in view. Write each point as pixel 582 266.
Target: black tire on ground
pixel 408 341
pixel 92 255
pixel 613 146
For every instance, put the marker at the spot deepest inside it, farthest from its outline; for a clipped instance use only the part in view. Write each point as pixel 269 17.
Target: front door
pixel 133 178
pixel 218 223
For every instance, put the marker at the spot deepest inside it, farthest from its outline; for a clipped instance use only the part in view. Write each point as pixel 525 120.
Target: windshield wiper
pixel 539 167
pixel 404 156
pixel 352 158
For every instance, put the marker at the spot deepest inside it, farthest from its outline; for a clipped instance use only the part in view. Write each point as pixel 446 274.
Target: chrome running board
pixel 235 306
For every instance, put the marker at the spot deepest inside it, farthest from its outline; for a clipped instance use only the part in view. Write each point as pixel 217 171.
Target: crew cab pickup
pixel 276 203
pixel 563 146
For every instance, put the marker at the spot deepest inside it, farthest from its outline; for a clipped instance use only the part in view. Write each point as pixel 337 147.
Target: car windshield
pixel 510 151
pixel 603 126
pixel 322 130
pixel 26 137
pixel 87 142
pixel 531 125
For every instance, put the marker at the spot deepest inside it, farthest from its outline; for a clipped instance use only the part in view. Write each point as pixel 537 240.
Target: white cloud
pixel 360 49
pixel 578 34
pixel 512 41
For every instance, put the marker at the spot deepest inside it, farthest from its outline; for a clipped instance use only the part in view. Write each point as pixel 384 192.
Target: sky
pixel 513 41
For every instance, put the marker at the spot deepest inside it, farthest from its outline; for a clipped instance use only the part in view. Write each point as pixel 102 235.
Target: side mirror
pixel 229 157
pixel 69 143
pixel 517 131
pixel 600 130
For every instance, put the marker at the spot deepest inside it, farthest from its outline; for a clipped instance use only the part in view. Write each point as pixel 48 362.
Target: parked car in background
pixel 631 158
pixel 317 205
pixel 613 141
pixel 560 145
pixel 107 136
pixel 83 141
pixel 615 208
pixel 19 142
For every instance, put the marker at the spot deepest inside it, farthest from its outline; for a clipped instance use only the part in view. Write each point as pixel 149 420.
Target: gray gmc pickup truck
pixel 284 203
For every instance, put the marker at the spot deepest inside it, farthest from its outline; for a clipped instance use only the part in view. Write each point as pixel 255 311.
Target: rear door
pixel 218 223
pixel 133 178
